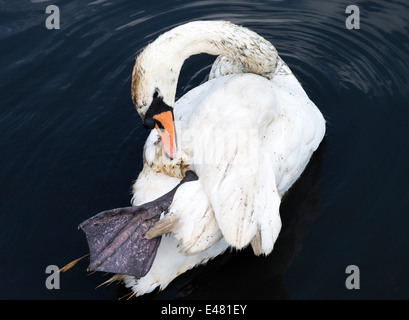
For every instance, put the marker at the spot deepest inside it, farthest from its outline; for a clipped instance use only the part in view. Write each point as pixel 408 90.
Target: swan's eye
pixel 156 93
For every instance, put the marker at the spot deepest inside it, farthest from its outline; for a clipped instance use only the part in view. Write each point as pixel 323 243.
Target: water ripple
pixel 71 135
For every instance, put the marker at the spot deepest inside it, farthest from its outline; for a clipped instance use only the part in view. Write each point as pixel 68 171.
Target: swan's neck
pixel 166 55
pixel 255 53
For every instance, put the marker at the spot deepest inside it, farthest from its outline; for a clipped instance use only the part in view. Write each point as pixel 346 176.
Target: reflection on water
pixel 71 144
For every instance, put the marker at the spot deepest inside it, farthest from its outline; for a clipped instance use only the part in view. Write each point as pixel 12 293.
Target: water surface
pixel 71 145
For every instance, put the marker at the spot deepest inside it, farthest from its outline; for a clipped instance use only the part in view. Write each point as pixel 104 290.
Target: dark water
pixel 71 145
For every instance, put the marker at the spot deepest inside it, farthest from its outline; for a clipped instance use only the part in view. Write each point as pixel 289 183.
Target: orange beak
pixel 166 132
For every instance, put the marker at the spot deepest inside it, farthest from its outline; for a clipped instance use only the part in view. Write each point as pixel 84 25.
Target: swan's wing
pixel 246 205
pixel 301 127
pixel 191 220
pixel 230 115
pixel 252 139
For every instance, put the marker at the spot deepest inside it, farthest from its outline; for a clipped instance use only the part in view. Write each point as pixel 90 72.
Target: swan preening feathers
pixel 248 133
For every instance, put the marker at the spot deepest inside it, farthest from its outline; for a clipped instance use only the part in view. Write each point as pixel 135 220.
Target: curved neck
pixel 168 52
pixel 256 54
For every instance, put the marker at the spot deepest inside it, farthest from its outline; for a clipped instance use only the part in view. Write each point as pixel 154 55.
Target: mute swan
pixel 248 133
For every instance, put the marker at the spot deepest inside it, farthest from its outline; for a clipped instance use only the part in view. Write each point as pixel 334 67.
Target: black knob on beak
pixel 148 123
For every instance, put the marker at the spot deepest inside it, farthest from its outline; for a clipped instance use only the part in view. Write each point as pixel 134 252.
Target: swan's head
pixel 154 84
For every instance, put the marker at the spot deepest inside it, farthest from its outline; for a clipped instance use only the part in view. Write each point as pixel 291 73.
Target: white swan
pixel 248 133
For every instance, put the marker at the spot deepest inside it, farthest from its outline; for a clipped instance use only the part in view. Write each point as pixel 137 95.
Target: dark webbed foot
pixel 116 238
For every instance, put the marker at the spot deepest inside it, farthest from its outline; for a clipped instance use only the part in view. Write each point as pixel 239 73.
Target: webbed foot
pixel 116 238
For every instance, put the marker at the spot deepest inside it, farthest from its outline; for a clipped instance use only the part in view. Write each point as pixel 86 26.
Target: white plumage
pixel 248 133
